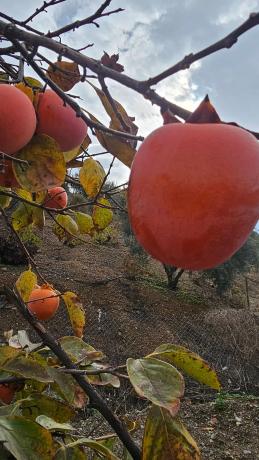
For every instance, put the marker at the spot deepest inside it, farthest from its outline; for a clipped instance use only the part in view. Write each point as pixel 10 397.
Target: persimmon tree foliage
pixel 199 193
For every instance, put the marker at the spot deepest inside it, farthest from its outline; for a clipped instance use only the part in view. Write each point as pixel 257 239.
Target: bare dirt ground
pixel 130 312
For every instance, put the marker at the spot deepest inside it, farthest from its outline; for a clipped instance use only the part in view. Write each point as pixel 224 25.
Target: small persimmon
pixel 7 392
pixel 56 198
pixel 43 302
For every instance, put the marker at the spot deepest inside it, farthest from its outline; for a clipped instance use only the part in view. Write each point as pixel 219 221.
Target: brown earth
pixel 130 312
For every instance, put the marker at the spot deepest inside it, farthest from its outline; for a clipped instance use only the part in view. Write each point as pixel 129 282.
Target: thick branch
pixel 226 42
pixel 96 400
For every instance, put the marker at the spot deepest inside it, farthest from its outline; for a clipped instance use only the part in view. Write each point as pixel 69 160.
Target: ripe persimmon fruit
pixel 7 392
pixel 193 195
pixel 17 119
pixel 43 302
pixel 59 121
pixel 56 198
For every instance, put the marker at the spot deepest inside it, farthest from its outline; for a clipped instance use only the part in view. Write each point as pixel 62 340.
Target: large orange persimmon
pixel 59 121
pixel 56 198
pixel 17 119
pixel 43 302
pixel 194 193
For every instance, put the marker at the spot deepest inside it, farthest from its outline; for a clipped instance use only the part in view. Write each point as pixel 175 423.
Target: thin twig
pixel 90 20
pixel 46 4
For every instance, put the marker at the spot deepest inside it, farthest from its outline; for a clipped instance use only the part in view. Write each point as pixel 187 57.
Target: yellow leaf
pixel 115 122
pixel 166 438
pixel 33 83
pixel 25 284
pixel 91 177
pixel 118 147
pixel 102 216
pixel 26 90
pixel 84 222
pixel 46 166
pixel 24 214
pixel 65 228
pixel 189 362
pixel 5 200
pixel 76 312
pixel 65 74
pixel 74 153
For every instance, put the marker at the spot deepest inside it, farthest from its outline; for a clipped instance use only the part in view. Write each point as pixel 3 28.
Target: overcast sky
pixel 150 36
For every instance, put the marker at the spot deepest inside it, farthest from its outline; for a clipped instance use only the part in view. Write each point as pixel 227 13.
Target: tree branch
pixel 90 20
pixel 226 42
pixel 95 399
pixel 46 4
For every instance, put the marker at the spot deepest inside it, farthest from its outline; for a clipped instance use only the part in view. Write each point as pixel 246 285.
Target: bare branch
pixel 90 20
pixel 46 4
pixel 226 42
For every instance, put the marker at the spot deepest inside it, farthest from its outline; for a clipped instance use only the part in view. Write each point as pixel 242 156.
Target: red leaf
pixel 205 113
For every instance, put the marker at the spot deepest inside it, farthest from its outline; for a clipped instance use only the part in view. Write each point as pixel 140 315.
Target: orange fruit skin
pixel 193 195
pixel 6 393
pixel 42 303
pixel 56 198
pixel 59 122
pixel 17 119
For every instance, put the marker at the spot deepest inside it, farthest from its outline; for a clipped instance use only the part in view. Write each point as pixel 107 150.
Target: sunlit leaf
pixel 91 177
pixel 65 227
pixel 166 438
pixel 84 222
pixel 65 74
pixel 102 215
pixel 25 284
pixel 40 404
pixel 76 312
pixel 189 362
pixel 25 439
pixel 5 200
pixel 52 425
pixel 74 153
pixel 78 350
pixel 157 381
pixel 118 147
pixel 46 166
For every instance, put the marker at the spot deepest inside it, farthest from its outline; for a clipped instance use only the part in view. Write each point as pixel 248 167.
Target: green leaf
pixel 76 312
pixel 5 200
pixel 157 381
pixel 65 382
pixel 25 439
pixel 40 404
pixel 78 349
pixel 70 453
pixel 189 362
pixel 96 446
pixel 28 368
pixel 102 379
pixel 7 353
pixel 166 438
pixel 84 222
pixel 25 284
pixel 52 425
